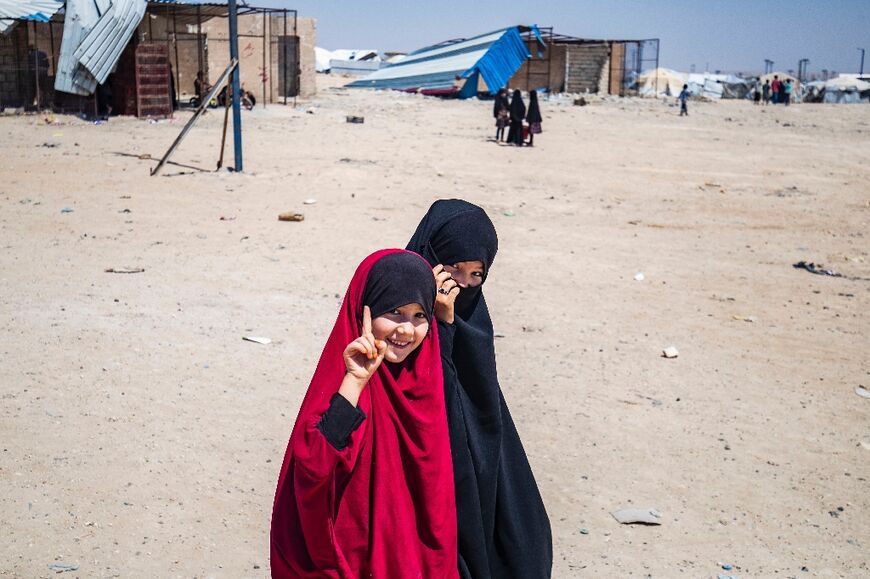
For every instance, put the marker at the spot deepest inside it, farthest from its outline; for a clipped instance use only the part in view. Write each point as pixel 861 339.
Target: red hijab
pixel 384 507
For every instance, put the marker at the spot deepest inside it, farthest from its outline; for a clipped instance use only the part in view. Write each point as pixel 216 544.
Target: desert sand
pixel 141 436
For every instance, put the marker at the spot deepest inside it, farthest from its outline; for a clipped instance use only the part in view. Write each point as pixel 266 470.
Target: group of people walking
pixel 404 460
pixel 510 114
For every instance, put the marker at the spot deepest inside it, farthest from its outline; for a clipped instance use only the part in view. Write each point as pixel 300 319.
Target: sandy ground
pixel 140 436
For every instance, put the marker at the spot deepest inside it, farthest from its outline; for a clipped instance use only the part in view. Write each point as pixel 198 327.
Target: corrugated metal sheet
pixel 95 33
pixel 37 10
pixel 495 56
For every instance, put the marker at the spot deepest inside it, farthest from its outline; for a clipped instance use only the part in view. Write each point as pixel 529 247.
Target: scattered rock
pixel 670 352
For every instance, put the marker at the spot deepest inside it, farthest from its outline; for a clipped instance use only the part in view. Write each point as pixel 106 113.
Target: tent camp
pixel 347 61
pixel 838 90
pixel 666 82
pixel 457 66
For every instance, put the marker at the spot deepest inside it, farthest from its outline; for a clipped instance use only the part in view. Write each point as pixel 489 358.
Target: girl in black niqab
pixel 518 112
pixel 504 531
pixel 533 116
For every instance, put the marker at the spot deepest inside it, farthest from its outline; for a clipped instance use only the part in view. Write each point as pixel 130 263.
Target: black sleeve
pixel 339 421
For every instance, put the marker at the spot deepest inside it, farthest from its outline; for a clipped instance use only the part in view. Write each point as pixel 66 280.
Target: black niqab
pixel 518 107
pixel 534 113
pixel 504 531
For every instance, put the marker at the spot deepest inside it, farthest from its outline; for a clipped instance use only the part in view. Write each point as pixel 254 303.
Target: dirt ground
pixel 140 436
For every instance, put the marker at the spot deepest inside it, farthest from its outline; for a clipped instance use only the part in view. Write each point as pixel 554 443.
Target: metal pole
pixel 284 67
pixel 861 72
pixel 264 78
pixel 175 42
pixel 237 110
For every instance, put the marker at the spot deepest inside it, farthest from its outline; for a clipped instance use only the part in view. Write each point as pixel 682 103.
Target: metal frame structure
pixel 180 14
pixel 627 58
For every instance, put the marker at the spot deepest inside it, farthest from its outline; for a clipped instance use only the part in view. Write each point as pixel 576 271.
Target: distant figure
pixel 756 93
pixel 684 98
pixel 517 114
pixel 501 112
pixel 200 86
pixel 774 89
pixel 786 91
pixel 533 117
pixel 765 93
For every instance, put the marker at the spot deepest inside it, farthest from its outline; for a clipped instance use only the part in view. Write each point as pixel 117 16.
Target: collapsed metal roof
pixel 35 10
pixel 455 66
pixel 95 32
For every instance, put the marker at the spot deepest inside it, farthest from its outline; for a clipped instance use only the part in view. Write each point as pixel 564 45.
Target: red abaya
pixel 384 506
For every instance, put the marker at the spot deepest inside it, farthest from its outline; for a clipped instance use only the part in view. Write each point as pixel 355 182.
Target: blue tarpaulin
pixel 456 67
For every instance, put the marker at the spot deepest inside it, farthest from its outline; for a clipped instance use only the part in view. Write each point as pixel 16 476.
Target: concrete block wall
pixel 585 66
pixel 256 77
pixel 16 84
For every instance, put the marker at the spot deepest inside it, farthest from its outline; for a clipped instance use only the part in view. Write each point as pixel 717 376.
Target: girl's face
pixel 466 273
pixel 403 329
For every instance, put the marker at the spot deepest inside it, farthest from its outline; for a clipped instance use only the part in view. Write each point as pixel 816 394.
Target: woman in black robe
pixel 504 531
pixel 518 113
pixel 533 116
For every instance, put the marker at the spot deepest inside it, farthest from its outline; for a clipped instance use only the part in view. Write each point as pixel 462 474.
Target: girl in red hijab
pixel 366 488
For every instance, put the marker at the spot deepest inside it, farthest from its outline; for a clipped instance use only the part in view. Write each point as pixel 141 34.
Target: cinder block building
pixel 276 49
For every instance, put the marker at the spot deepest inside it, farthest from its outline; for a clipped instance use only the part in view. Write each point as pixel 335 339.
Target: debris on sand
pixel 291 216
pixel 670 352
pixel 638 516
pixel 124 269
pixel 257 339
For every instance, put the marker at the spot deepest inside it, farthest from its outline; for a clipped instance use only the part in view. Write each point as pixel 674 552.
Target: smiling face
pixel 466 273
pixel 403 329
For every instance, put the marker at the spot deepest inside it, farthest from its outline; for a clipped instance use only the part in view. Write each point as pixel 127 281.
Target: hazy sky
pixel 734 35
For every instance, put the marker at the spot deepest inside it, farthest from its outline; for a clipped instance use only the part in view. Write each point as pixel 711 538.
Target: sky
pixel 727 35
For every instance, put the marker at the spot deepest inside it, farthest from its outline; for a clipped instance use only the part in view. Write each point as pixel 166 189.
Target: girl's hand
pixel 445 298
pixel 363 356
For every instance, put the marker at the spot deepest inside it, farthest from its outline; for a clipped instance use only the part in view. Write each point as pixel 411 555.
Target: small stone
pixel 584 531
pixel 670 352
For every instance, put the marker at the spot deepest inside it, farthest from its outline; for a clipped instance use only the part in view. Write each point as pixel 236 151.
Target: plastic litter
pixel 62 567
pixel 862 392
pixel 291 216
pixel 639 276
pixel 670 352
pixel 310 201
pixel 257 339
pixel 637 516
pixel 67 210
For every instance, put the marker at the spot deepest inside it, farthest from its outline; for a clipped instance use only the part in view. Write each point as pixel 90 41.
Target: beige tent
pixel 661 81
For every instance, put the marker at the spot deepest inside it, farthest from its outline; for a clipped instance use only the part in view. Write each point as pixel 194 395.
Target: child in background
pixel 683 98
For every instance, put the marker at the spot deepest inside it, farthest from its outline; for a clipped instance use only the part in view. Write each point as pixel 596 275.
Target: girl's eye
pixel 477 274
pixel 419 315
pixel 395 312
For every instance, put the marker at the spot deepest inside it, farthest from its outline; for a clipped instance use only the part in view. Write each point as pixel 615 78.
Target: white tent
pixel 848 89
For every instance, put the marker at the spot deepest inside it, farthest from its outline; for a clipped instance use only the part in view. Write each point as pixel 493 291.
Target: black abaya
pixel 504 531
pixel 518 112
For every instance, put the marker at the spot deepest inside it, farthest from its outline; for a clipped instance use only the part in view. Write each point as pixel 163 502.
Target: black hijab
pixel 518 107
pixel 534 113
pixel 398 279
pixel 504 531
pixel 501 102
